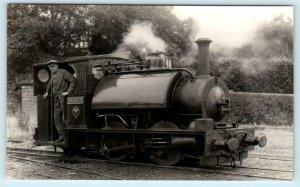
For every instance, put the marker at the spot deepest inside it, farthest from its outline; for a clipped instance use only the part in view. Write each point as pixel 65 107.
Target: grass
pixel 280 140
pixel 17 129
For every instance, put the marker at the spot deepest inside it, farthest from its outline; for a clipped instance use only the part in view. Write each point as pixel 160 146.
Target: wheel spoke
pixel 166 156
pixel 113 145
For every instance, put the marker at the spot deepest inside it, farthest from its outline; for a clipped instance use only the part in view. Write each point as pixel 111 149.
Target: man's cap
pixel 52 62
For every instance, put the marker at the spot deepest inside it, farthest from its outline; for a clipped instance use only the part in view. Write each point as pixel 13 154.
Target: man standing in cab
pixel 62 84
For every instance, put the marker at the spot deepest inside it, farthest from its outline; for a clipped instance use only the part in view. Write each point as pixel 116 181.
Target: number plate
pixel 75 100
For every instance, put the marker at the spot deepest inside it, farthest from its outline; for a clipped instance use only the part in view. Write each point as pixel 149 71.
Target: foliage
pixel 110 23
pixel 38 32
pixel 263 65
pixel 255 75
pixel 273 39
pixel 259 108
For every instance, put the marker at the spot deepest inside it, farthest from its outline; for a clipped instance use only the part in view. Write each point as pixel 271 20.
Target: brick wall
pixel 29 106
pixel 13 101
pixel 13 106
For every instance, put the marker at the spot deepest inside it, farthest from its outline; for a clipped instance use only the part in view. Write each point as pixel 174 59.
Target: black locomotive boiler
pixel 122 108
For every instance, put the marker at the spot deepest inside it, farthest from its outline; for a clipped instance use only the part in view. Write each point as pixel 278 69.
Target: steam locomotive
pixel 123 107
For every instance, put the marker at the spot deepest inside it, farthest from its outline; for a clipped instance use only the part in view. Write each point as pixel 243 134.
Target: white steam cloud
pixel 254 66
pixel 231 26
pixel 141 37
pixel 190 57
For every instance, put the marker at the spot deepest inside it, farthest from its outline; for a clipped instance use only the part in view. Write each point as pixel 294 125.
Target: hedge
pixel 261 108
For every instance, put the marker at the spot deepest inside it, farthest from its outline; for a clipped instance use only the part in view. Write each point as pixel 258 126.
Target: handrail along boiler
pixel 124 107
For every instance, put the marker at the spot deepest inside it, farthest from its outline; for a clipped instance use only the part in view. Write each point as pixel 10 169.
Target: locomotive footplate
pixel 137 131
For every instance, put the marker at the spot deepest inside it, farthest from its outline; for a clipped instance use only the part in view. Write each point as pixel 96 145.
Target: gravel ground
pixel 280 142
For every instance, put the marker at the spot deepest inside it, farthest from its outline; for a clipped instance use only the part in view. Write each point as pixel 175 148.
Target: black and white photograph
pixel 150 92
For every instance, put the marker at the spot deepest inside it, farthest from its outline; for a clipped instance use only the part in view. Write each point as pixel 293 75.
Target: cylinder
pixel 203 53
pixel 183 142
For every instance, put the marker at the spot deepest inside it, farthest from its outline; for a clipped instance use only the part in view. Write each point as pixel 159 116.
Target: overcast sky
pixel 230 26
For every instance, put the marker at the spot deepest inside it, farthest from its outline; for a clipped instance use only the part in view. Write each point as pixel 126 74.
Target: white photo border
pixel 97 183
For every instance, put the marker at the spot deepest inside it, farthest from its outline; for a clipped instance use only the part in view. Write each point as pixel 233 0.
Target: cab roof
pixel 126 56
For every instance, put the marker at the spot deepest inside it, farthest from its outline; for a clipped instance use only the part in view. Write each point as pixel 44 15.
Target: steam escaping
pixel 190 58
pixel 254 66
pixel 141 39
pixel 252 43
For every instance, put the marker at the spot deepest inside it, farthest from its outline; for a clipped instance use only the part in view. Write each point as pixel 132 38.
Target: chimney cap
pixel 203 40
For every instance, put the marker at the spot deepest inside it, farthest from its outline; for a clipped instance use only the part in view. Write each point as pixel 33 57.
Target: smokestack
pixel 203 53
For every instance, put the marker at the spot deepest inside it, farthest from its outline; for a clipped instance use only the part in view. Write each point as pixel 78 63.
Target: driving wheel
pixel 166 156
pixel 115 146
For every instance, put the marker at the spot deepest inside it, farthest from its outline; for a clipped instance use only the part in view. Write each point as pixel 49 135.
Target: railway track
pixel 271 156
pixel 33 153
pixel 262 156
pixel 109 177
pixel 242 171
pixel 246 171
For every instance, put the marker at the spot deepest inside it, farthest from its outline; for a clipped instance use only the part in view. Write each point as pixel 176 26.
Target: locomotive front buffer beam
pixel 225 143
pixel 229 137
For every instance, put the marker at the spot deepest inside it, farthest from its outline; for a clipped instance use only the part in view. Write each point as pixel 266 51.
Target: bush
pixel 261 108
pixel 273 75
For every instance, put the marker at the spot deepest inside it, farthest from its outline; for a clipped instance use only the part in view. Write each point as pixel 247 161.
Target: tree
pixel 275 39
pixel 37 33
pixel 110 23
pixel 263 65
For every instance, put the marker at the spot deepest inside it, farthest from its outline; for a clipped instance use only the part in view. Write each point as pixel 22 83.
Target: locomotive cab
pixel 46 131
pixel 88 70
